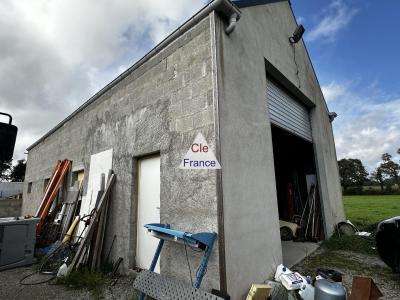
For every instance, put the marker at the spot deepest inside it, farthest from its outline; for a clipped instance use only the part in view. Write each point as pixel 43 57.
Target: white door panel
pixel 148 210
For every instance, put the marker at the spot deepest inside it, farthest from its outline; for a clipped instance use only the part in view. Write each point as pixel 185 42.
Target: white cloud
pixel 300 19
pixel 56 53
pixel 336 17
pixel 367 126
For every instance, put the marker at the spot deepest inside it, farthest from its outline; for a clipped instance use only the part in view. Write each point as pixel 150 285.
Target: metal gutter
pixel 225 7
pixel 220 196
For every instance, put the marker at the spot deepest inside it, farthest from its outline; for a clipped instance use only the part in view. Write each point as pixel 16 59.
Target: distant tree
pixel 377 175
pixel 352 173
pixel 386 157
pixel 5 167
pixel 390 168
pixel 18 171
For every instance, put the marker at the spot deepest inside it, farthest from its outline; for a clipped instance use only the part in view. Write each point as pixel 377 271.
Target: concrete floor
pixel 294 252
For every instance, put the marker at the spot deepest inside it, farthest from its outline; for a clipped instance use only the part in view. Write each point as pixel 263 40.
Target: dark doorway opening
pixel 300 212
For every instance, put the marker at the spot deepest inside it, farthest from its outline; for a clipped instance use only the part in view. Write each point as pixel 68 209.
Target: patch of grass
pixel 351 243
pixel 367 211
pixel 85 279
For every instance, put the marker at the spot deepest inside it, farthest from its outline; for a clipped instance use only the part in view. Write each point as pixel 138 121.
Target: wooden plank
pixel 94 241
pixel 97 243
pixel 94 245
pixel 103 223
pixel 94 218
pixel 71 201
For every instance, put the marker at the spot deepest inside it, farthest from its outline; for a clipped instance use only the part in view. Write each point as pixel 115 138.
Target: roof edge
pixel 248 3
pixel 224 7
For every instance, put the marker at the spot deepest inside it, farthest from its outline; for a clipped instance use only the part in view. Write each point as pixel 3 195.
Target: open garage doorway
pixel 300 211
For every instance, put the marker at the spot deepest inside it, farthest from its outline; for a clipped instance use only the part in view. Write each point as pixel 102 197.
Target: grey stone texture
pixel 10 208
pixel 205 81
pixel 160 107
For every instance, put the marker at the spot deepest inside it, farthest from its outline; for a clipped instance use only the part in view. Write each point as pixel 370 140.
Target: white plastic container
pixel 280 270
pixel 292 281
pixel 289 279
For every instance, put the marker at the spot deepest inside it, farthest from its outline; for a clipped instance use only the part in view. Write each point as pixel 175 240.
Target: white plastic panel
pixel 100 163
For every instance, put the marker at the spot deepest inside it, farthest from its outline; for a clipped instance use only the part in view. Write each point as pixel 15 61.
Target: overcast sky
pixel 55 54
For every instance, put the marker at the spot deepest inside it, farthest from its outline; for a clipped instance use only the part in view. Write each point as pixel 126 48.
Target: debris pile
pixel 71 226
pixel 326 285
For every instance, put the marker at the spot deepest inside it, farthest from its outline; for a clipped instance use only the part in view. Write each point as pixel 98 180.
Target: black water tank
pixel 8 135
pixel 388 242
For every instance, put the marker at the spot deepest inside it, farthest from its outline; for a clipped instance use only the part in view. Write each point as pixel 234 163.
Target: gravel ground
pixel 11 289
pixel 348 263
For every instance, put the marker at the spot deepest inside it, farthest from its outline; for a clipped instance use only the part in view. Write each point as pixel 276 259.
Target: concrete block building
pixel 230 73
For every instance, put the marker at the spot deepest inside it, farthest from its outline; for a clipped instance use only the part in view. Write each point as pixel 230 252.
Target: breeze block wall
pixel 10 208
pixel 159 107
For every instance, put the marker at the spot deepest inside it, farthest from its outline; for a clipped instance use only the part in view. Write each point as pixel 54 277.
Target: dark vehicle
pixel 388 242
pixel 8 135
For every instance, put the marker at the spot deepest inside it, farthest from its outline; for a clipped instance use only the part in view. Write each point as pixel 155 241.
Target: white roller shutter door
pixel 288 113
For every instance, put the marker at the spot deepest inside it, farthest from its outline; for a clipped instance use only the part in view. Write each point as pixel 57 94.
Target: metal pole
pixel 203 266
pixel 154 261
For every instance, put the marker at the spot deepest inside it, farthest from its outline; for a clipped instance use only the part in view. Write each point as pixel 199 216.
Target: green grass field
pixel 366 211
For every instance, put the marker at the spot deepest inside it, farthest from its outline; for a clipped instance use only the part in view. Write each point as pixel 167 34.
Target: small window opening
pixel 45 183
pixel 77 176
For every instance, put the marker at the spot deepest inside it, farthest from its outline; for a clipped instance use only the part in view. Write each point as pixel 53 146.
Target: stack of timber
pixel 89 249
pixel 60 214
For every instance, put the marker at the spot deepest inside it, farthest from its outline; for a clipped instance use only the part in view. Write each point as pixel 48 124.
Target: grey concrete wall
pixel 10 208
pixel 252 242
pixel 8 189
pixel 160 107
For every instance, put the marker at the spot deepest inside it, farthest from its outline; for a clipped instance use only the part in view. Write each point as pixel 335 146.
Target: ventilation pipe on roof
pixel 232 23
